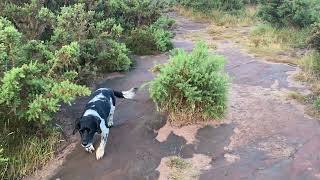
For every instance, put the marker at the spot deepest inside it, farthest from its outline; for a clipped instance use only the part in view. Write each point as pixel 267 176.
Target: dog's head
pixel 87 127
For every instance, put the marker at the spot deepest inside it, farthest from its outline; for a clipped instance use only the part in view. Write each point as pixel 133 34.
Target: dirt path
pixel 264 135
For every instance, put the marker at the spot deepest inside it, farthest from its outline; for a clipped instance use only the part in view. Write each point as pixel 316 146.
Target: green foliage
pixel 297 13
pixel 37 51
pixel 2 159
pixel 10 42
pixel 164 22
pixel 30 18
pixel 72 24
pixel 192 83
pixel 162 39
pixel 317 103
pixel 314 39
pixel 208 5
pixel 65 59
pixel 146 41
pixel 141 41
pixel 29 94
pixel 133 14
pixel 114 57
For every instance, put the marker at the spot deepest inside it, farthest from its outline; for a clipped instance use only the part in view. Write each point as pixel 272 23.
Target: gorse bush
pixel 141 41
pixel 297 13
pixel 133 14
pixel 152 39
pixel 207 5
pixel 192 85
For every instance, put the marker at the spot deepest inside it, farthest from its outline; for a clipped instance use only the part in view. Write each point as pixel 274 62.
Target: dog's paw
pixel 90 149
pixel 99 153
pixel 110 124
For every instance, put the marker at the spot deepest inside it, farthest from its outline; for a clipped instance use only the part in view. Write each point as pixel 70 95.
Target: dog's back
pixel 101 101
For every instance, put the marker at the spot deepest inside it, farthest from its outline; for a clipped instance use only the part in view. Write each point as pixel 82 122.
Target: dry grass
pixel 193 15
pixel 184 118
pixel 26 151
pixel 220 18
pixel 297 96
pixel 181 169
pixel 310 63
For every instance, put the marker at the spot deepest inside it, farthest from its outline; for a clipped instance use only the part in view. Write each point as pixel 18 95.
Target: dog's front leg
pixel 110 118
pixel 103 142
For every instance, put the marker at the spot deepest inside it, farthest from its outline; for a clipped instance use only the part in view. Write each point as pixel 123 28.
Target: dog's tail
pixel 126 94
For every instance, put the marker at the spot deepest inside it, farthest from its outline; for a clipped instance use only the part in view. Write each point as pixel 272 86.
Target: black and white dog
pixel 98 117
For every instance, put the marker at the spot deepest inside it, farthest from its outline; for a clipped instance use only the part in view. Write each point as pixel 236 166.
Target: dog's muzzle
pixel 89 147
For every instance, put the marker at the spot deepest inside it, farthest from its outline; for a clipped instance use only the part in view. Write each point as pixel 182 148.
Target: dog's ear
pixel 76 126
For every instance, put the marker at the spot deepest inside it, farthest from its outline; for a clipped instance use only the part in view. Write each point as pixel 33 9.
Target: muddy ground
pixel 264 136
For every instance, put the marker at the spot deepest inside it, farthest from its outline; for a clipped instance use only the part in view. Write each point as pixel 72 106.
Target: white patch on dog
pixel 99 97
pixel 103 142
pixel 129 94
pixel 110 118
pixel 93 113
pixel 102 89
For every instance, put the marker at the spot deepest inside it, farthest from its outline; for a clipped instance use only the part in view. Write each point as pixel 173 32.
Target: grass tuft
pixel 180 169
pixel 297 96
pixel 25 150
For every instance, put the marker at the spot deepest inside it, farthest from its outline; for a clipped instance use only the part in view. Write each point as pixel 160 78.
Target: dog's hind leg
pixel 110 118
pixel 103 142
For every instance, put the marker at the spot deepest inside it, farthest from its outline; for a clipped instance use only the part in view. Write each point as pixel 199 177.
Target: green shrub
pixel 2 159
pixel 163 22
pixel 132 14
pixel 114 57
pixel 28 93
pixel 297 13
pixel 72 24
pixel 208 5
pixel 162 39
pixel 30 18
pixel 317 103
pixel 192 83
pixel 314 39
pixel 141 41
pixel 146 41
pixel 10 42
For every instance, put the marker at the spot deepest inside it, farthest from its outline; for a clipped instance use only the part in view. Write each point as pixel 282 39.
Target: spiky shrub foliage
pixel 114 57
pixel 133 14
pixel 149 40
pixel 314 39
pixel 31 18
pixel 192 84
pixel 29 92
pixel 164 22
pixel 152 39
pixel 207 5
pixel 10 42
pixel 141 41
pixel 297 13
